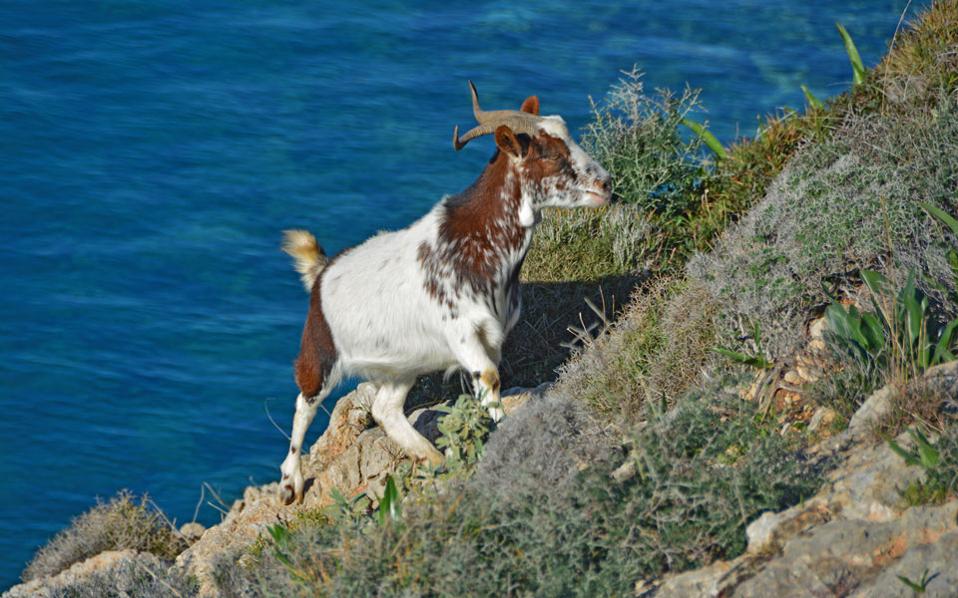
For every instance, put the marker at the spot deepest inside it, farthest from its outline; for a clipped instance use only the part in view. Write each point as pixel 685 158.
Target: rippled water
pixel 153 152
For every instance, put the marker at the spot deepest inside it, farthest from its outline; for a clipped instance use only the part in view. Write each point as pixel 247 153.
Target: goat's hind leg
pixel 292 482
pixel 388 413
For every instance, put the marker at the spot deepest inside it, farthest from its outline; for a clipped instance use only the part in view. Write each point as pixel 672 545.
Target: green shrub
pixel 516 530
pixel 902 337
pixel 464 427
pixel 843 205
pixel 637 138
pixel 121 523
pixel 939 462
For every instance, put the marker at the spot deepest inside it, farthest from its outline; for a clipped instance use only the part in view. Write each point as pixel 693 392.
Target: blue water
pixel 151 153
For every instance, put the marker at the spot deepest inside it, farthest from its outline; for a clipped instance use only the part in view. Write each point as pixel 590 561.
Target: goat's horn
pixel 460 142
pixel 476 111
pixel 518 121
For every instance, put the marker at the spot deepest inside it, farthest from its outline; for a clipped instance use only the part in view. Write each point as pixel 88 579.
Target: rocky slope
pixel 855 537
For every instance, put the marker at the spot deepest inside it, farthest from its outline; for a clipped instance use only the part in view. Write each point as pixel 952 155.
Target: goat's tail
pixel 308 257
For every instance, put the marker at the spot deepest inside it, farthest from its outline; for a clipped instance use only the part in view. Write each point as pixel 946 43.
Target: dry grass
pixel 654 352
pixel 121 523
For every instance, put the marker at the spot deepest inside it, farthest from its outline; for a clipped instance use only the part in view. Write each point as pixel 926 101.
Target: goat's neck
pixel 484 226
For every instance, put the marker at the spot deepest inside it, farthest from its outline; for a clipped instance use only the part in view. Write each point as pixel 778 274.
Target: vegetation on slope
pixel 121 523
pixel 644 459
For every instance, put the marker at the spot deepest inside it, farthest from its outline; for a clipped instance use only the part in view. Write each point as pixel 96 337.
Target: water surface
pixel 153 151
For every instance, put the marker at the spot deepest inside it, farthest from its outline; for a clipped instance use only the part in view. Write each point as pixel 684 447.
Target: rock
pixel 840 556
pixel 121 567
pixel 854 537
pixel 192 531
pixel 792 377
pixel 872 411
pixel 710 581
pixel 353 456
pixel 767 533
pixel 935 562
pixel 822 420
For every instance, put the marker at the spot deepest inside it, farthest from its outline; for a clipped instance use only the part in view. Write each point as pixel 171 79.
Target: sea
pixel 151 153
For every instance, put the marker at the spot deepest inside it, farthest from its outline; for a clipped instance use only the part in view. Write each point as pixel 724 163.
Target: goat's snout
pixel 604 183
pixel 600 192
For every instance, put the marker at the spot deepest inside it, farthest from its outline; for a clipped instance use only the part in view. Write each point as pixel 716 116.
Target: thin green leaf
pixel 944 343
pixel 874 281
pixel 926 451
pixel 942 215
pixel 756 361
pixel 915 587
pixel 707 137
pixel 909 457
pixel 874 333
pixel 858 69
pixel 811 99
pixel 389 504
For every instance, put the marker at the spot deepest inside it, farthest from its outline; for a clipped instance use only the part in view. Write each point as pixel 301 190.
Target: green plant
pixel 389 508
pixel 813 101
pixel 952 224
pixel 281 535
pixel 860 334
pixel 347 509
pixel 707 137
pixel 636 138
pixel 901 337
pixel 464 429
pixel 933 489
pixel 920 586
pixel 756 359
pixel 858 69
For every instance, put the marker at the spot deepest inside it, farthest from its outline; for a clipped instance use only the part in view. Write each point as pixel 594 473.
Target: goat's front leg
pixel 475 348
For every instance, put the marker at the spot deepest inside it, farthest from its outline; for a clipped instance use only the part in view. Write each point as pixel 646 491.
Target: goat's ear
pixel 510 143
pixel 531 105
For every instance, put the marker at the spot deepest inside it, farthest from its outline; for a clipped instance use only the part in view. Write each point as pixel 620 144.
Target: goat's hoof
pixel 435 458
pixel 287 494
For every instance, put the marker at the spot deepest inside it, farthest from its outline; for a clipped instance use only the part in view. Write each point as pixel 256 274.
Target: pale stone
pixel 192 531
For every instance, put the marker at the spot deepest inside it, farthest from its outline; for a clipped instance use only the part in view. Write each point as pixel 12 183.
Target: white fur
pixel 389 330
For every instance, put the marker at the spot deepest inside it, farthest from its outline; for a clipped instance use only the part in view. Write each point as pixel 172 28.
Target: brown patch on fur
pixel 481 225
pixel 491 379
pixel 317 352
pixel 549 156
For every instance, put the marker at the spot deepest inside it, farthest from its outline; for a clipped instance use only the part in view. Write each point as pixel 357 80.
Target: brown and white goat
pixel 441 294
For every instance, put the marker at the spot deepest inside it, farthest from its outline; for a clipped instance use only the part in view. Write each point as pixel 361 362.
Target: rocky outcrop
pixel 352 455
pixel 854 538
pixel 121 567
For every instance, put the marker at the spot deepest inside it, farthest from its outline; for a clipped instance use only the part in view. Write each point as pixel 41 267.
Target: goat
pixel 442 293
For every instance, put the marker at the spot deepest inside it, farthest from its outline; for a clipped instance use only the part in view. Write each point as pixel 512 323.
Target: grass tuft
pixel 123 522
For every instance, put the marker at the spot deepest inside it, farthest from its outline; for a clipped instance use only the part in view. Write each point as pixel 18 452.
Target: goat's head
pixel 553 170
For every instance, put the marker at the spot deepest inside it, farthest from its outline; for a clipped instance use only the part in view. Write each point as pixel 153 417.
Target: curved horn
pixel 489 120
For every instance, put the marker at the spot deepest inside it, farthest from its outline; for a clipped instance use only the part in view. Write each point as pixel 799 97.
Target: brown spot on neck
pixel 485 202
pixel 482 223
